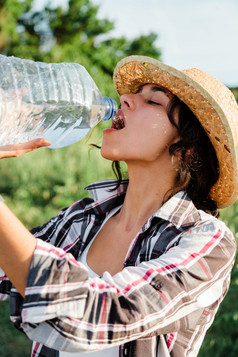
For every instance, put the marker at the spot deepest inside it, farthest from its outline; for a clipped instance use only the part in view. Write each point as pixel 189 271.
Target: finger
pixel 20 149
pixel 33 144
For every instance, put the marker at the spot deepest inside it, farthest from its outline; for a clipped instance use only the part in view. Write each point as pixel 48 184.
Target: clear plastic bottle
pixel 56 101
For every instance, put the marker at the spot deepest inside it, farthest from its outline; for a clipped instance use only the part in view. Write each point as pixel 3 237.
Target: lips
pixel 119 121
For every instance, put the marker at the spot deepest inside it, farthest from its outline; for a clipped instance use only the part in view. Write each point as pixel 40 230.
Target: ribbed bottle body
pixel 57 101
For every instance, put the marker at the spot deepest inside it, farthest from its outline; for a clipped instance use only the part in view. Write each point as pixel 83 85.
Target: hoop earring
pixel 172 161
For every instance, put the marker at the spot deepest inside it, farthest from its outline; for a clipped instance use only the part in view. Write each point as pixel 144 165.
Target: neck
pixel 145 194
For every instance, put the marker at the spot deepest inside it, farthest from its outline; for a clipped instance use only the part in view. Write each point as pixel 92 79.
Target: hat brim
pixel 213 104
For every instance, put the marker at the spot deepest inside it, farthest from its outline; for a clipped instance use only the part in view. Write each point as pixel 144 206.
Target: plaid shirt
pixel 176 273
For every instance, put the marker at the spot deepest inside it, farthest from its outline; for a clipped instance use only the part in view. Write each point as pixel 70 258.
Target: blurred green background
pixel 38 185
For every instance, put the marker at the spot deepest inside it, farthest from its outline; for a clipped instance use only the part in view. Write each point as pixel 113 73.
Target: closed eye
pixel 153 103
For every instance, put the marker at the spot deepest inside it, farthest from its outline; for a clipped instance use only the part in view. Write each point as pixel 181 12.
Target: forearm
pixel 17 246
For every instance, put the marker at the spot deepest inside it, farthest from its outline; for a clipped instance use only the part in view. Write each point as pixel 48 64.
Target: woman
pixel 150 263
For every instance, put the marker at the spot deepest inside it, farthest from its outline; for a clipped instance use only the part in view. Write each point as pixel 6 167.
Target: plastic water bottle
pixel 56 101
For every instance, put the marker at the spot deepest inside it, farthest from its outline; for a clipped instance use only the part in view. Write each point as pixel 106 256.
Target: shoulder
pixel 62 221
pixel 210 233
pixel 79 206
pixel 211 225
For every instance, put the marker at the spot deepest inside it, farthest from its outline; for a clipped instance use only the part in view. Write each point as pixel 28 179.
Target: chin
pixel 110 154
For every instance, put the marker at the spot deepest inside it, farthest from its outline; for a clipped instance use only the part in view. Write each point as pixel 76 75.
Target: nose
pixel 128 101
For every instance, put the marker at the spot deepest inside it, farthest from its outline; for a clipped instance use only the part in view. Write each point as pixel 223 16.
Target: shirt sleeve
pixel 44 232
pixel 65 227
pixel 66 310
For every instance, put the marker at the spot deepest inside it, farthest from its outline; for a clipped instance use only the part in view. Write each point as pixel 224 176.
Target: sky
pixel 191 33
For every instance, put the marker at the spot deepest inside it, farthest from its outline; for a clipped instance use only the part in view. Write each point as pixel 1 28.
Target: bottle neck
pixel 111 108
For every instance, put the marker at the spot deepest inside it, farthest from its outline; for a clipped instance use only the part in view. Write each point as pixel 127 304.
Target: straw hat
pixel 213 104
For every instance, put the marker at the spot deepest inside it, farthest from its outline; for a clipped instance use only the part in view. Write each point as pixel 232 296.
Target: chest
pixel 110 248
pixel 114 247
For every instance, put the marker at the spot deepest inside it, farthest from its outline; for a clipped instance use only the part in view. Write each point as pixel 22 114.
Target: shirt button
pixel 158 286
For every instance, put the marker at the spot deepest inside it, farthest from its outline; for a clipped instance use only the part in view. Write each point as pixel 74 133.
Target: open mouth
pixel 119 121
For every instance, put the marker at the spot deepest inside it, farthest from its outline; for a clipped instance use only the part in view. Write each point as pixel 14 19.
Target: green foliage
pixel 79 21
pixel 235 93
pixel 13 343
pixel 38 185
pixel 74 34
pixel 9 14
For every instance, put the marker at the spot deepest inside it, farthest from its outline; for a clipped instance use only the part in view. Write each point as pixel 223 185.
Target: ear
pixel 176 139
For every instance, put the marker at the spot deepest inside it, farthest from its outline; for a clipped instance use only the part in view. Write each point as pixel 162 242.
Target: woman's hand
pixel 16 150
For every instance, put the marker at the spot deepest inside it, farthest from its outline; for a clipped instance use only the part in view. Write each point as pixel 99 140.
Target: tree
pixel 10 32
pixel 73 34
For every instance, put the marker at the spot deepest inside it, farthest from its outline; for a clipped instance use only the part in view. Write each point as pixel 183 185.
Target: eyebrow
pixel 154 89
pixel 158 89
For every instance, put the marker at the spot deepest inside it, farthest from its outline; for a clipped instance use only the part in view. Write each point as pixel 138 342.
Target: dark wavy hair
pixel 198 168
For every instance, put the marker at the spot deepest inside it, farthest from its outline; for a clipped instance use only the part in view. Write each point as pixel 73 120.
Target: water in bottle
pixel 56 101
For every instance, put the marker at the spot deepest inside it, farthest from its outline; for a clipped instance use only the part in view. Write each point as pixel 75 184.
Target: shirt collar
pixel 104 190
pixel 179 209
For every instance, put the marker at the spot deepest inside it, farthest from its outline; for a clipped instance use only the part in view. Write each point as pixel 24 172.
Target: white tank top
pixel 109 352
